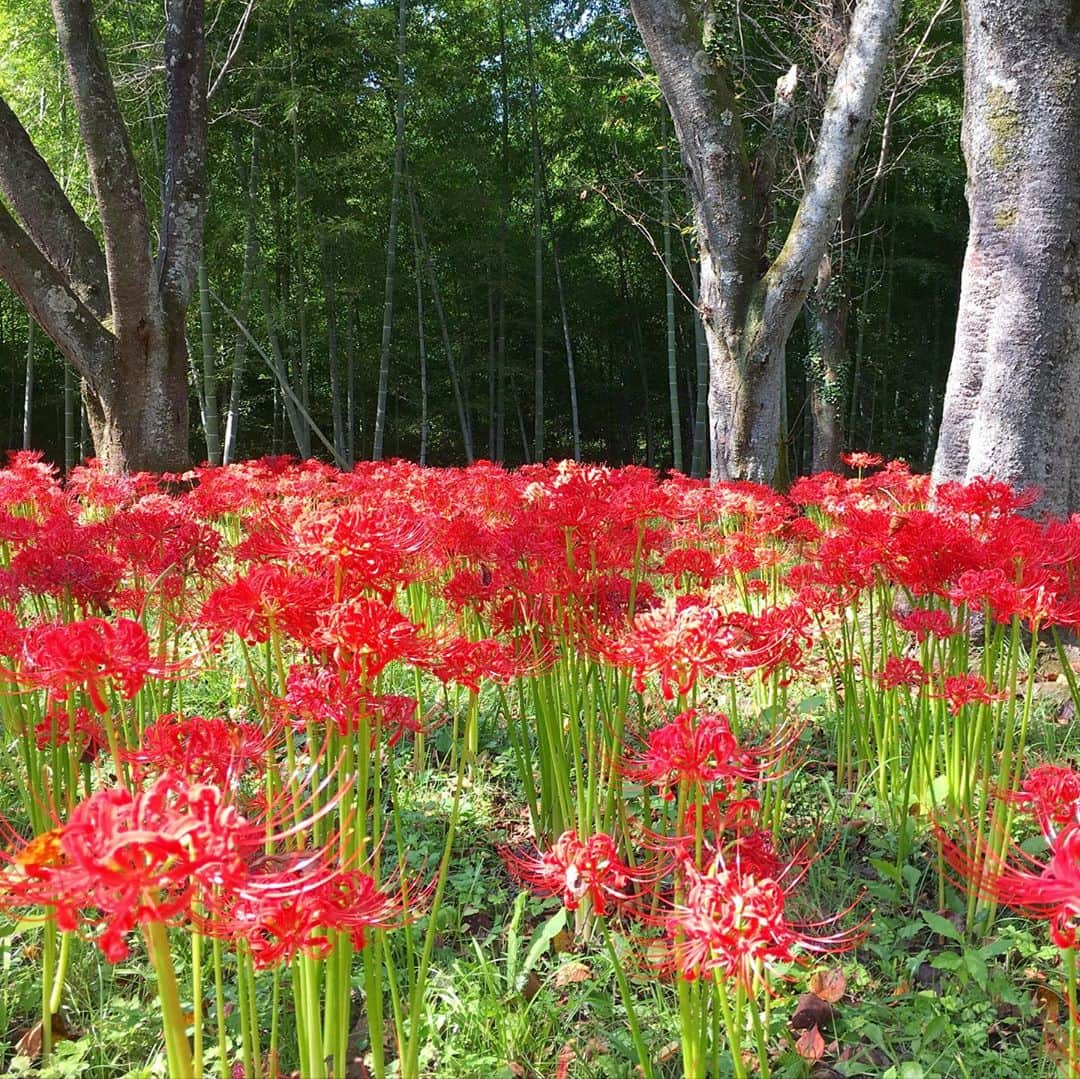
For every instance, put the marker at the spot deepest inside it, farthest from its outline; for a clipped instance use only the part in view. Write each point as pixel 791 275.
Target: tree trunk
pixel 700 465
pixel 504 215
pixel 422 348
pixel 749 312
pixel 115 313
pixel 827 365
pixel 391 237
pixel 1011 404
pixel 538 249
pixel 211 416
pixel 444 329
pixel 337 410
pixel 301 359
pixel 247 277
pixel 28 387
pixel 669 298
pixel 70 405
pixel 564 315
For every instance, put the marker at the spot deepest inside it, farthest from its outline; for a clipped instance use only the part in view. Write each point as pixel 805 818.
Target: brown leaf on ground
pixel 829 984
pixel 811 1045
pixel 571 973
pixel 812 1011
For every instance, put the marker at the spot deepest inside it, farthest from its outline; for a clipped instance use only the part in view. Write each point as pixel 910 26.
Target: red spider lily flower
pixel 574 869
pixel 860 459
pixel 984 499
pixel 1052 793
pixel 924 622
pixel 468 662
pixel 698 748
pixel 323 696
pixel 371 548
pixel 60 657
pixel 365 635
pixel 1047 890
pixel 159 542
pixel 294 905
pixel 731 920
pixel 902 671
pixel 11 634
pixel 270 597
pixel 67 558
pixel 212 750
pixel 125 859
pixel 962 689
pixel 677 643
pixel 58 728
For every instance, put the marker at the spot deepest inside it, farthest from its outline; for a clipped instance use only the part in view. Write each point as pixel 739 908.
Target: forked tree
pixel 749 303
pixel 115 310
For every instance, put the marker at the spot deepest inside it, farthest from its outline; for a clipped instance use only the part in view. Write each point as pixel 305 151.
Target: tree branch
pixel 185 152
pixel 50 221
pixel 84 342
pixel 708 124
pixel 233 51
pixel 113 170
pixel 848 110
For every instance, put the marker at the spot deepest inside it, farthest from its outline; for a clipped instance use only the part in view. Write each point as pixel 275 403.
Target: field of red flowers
pixel 568 771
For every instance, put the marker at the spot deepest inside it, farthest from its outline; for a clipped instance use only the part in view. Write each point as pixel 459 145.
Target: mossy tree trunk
pixel 1012 402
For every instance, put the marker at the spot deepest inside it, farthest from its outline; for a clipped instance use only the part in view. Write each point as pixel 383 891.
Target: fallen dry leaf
pixel 571 973
pixel 829 984
pixel 811 1045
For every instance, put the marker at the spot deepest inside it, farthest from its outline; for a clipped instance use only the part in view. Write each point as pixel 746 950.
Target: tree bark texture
pixel 1011 406
pixel 749 305
pixel 116 315
pixel 827 365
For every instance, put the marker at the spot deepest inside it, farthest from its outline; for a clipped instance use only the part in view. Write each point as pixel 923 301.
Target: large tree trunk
pixel 1011 404
pixel 748 311
pixel 116 315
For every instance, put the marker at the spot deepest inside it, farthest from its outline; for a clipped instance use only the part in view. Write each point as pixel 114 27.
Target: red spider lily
pixel 323 696
pixel 93 653
pixel 11 634
pixel 370 548
pixel 962 689
pixel 1052 793
pixel 364 635
pixel 860 459
pixel 574 869
pixel 924 622
pixel 731 920
pixel 699 748
pixel 679 644
pixel 902 671
pixel 468 662
pixel 732 827
pixel 270 597
pixel 212 750
pixel 1048 890
pixel 58 728
pixel 125 859
pixel 66 558
pixel 159 542
pixel 295 905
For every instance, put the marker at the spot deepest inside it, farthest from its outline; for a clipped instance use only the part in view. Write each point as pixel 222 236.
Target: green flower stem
pixel 219 1004
pixel 177 1049
pixel 644 1059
